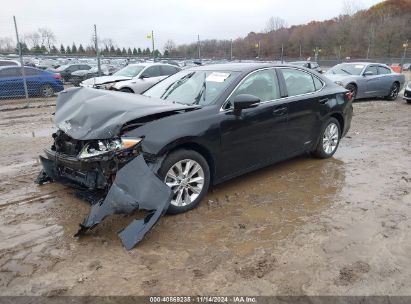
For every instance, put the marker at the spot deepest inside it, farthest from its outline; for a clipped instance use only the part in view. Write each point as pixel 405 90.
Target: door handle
pixel 323 101
pixel 280 111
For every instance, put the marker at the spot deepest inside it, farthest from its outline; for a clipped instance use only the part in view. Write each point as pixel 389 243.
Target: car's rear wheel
pixel 329 139
pixel 46 90
pixel 395 89
pixel 187 173
pixel 353 89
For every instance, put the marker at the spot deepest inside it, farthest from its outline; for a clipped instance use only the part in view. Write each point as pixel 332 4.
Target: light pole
pixel 405 46
pixel 317 51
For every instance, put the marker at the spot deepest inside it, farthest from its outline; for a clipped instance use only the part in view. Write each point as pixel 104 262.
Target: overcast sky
pixel 128 21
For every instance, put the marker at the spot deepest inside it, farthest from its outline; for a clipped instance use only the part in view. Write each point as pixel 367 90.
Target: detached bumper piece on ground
pixel 135 187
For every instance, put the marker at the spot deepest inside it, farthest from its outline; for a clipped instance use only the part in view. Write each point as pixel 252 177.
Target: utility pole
pixel 259 48
pixel 152 40
pixel 405 45
pixel 23 72
pixel 300 52
pixel 339 54
pixel 198 47
pixel 231 50
pixel 97 50
pixel 282 52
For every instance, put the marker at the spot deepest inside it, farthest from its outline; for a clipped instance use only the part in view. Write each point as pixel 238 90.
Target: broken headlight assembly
pixel 105 146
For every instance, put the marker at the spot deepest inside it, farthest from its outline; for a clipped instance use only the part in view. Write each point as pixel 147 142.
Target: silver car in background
pixel 134 78
pixel 366 79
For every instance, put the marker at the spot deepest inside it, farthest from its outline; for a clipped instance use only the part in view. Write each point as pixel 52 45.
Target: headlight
pixel 101 147
pixel 339 83
pixel 409 85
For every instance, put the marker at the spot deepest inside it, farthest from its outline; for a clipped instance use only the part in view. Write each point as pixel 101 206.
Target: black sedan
pixel 161 151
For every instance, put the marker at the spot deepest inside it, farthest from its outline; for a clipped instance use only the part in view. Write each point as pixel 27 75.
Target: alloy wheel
pixel 330 138
pixel 186 180
pixel 47 91
pixel 394 91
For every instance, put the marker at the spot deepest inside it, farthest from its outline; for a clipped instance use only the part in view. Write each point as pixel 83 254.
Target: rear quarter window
pixel 383 70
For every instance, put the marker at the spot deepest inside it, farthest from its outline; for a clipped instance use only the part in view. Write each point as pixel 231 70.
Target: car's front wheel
pixel 329 139
pixel 187 173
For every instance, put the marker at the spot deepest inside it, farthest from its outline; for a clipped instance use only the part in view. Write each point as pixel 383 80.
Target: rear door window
pixel 383 70
pixel 12 72
pixel 298 82
pixel 168 70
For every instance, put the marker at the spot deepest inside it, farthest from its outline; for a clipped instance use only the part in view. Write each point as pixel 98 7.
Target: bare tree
pixel 47 37
pixel 274 24
pixel 6 44
pixel 32 39
pixel 350 7
pixel 169 46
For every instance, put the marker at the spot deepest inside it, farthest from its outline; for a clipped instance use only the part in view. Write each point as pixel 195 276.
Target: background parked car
pixel 308 64
pixel 78 76
pixel 366 80
pixel 406 67
pixel 66 70
pixel 134 78
pixel 39 82
pixel 407 93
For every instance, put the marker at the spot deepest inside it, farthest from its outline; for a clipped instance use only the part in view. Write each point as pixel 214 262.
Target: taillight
pixel 57 76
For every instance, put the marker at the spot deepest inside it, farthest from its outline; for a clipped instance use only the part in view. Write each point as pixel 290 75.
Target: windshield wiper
pixel 202 92
pixel 175 85
pixel 346 71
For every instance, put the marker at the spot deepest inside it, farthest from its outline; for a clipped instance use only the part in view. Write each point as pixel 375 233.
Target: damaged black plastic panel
pixel 135 188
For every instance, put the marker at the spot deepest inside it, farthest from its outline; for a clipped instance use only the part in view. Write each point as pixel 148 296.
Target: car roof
pixel 239 66
pixel 365 63
pixel 146 64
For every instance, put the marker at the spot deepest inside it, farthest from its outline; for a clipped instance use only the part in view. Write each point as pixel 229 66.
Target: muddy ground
pixel 340 226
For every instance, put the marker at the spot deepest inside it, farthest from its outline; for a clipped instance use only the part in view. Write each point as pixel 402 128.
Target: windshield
pixel 193 87
pixel 346 69
pixel 129 71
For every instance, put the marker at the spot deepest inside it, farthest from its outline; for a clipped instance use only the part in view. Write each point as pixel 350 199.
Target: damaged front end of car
pixel 113 174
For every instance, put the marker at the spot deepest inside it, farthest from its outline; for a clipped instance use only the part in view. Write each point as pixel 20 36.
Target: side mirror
pixel 368 73
pixel 245 101
pixel 143 76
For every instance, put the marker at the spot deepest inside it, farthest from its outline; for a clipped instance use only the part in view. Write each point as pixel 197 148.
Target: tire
pixel 322 150
pixel 185 198
pixel 126 90
pixel 353 89
pixel 408 101
pixel 394 91
pixel 46 90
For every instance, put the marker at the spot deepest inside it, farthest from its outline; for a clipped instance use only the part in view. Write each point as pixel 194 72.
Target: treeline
pixel 380 31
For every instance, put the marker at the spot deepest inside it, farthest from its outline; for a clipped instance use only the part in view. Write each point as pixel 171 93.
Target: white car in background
pixel 134 78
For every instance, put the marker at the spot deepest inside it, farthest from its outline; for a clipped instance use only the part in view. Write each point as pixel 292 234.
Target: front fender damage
pixel 134 188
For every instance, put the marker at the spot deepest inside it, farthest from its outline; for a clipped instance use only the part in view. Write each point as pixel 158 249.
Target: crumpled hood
pixel 86 113
pixel 104 79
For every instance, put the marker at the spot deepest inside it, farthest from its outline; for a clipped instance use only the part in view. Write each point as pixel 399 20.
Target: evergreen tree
pixel 134 51
pixel 43 49
pixel 74 48
pixel 54 50
pixel 148 51
pixel 124 51
pixel 81 49
pixel 112 50
pixel 139 51
pixel 118 51
pixel 36 49
pixel 129 51
pixel 62 49
pixel 68 50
